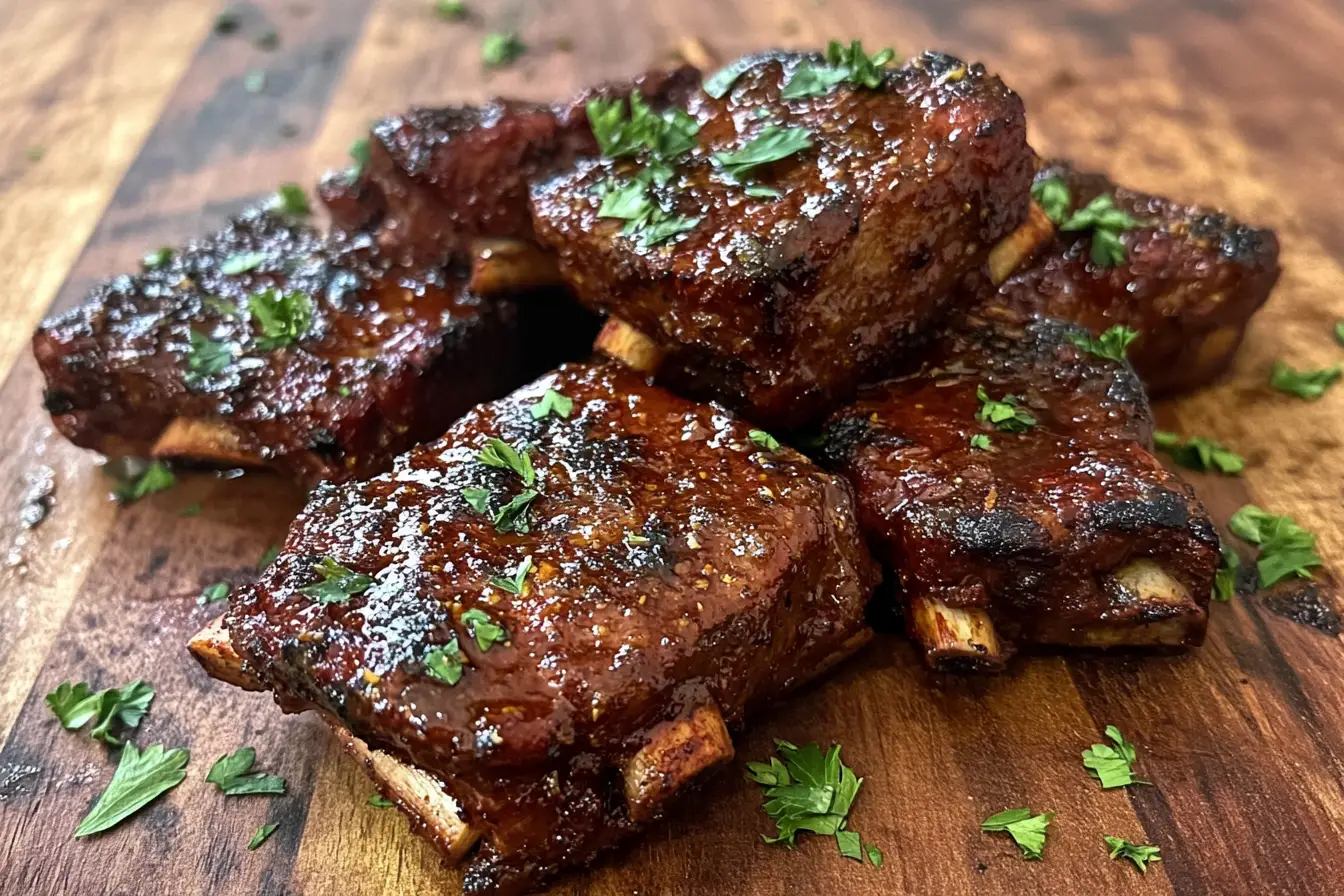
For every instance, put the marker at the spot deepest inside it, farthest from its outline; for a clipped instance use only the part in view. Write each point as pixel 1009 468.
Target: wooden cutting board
pixel 129 125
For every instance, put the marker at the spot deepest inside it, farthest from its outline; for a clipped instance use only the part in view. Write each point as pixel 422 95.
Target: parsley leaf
pixel 269 557
pixel 446 663
pixel 1199 453
pixel 284 319
pixel 980 441
pixel 262 835
pixel 874 854
pixel 477 498
pixel 1110 344
pixel 624 130
pixel 359 151
pixel 1225 579
pixel 232 774
pixel 1339 331
pixel 1052 195
pixel 156 477
pixel 1112 766
pixel 481 627
pixel 770 145
pixel 75 705
pixel 500 48
pixel 207 358
pixel 338 584
pixel 378 801
pixel 1139 855
pixel 850 847
pixel 762 439
pixel 514 582
pixel 498 453
pixel 212 593
pixel 1027 830
pixel 1308 384
pixel 291 201
pixel 139 778
pixel 843 64
pixel 810 80
pixel 157 259
pixel 808 791
pixel 512 517
pixel 242 262
pixel 1106 223
pixel 552 402
pixel 1286 549
pixel 645 219
pixel 718 84
pixel 1005 414
pixel 450 10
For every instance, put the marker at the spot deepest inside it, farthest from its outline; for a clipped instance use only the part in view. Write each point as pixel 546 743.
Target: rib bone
pixel 1017 247
pixel 203 441
pixel 956 637
pixel 511 266
pixel 624 343
pixel 1167 614
pixel 678 752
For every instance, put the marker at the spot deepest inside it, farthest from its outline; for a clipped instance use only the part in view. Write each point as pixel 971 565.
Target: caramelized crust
pixel 392 355
pixel 1049 529
pixel 1190 282
pixel 781 306
pixel 679 573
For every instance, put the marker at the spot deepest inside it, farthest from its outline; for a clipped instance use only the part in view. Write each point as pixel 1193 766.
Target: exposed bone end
pixel 203 441
pixel 696 52
pixel 1157 611
pixel 678 752
pixel 213 649
pixel 956 638
pixel 624 343
pixel 417 793
pixel 1014 250
pixel 504 266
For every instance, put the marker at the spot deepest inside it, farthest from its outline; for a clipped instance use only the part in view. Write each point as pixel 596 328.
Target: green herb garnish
pixel 446 663
pixel 233 775
pixel 762 439
pixel 1027 830
pixel 156 477
pixel 477 498
pixel 770 145
pixel 980 441
pixel 1052 195
pixel 269 557
pixel 1339 332
pixel 1110 345
pixel 1286 549
pixel 500 48
pixel 380 802
pixel 157 259
pixel 498 453
pixel 627 129
pixel 843 64
pixel 718 84
pixel 512 517
pixel 552 402
pixel 1006 415
pixel 1308 384
pixel 291 201
pixel 1139 855
pixel 359 151
pixel 514 582
pixel 1113 766
pixel 262 835
pixel 139 778
pixel 1225 579
pixel 450 10
pixel 1199 453
pixel 206 358
pixel 75 705
pixel 760 191
pixel 1106 223
pixel 809 791
pixel 338 584
pixel 242 262
pixel 212 593
pixel 283 319
pixel 481 627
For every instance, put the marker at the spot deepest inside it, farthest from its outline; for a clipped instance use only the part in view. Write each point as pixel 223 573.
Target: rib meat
pixel 1068 532
pixel 781 306
pixel 675 575
pixel 1191 280
pixel 392 354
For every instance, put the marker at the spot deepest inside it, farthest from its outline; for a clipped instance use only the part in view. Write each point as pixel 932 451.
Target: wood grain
pixel 1227 102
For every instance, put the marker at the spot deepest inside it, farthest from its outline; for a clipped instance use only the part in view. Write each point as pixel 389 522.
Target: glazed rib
pixel 678 575
pixel 1067 532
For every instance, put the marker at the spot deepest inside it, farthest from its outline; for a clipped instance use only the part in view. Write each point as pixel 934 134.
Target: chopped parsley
pixel 761 191
pixel 1225 579
pixel 75 705
pixel 874 855
pixel 1111 344
pixel 233 775
pixel 262 835
pixel 718 84
pixel 1027 830
pixel 156 477
pixel 477 498
pixel 500 48
pixel 843 64
pixel 222 307
pixel 378 801
pixel 810 791
pixel 446 663
pixel 1308 384
pixel 481 627
pixel 359 151
pixel 450 10
pixel 1139 855
pixel 1052 195
pixel 283 319
pixel 1286 549
pixel 498 453
pixel 1339 332
pixel 1113 766
pixel 206 358
pixel 157 259
pixel 762 439
pixel 515 582
pixel 1006 415
pixel 1199 453
pixel 338 584
pixel 770 145
pixel 1106 223
pixel 512 517
pixel 552 402
pixel 980 442
pixel 138 780
pixel 291 201
pixel 213 593
pixel 269 557
pixel 242 262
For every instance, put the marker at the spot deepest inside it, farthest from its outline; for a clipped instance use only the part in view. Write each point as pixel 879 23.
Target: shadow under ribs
pixel 1069 532
pixel 677 577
